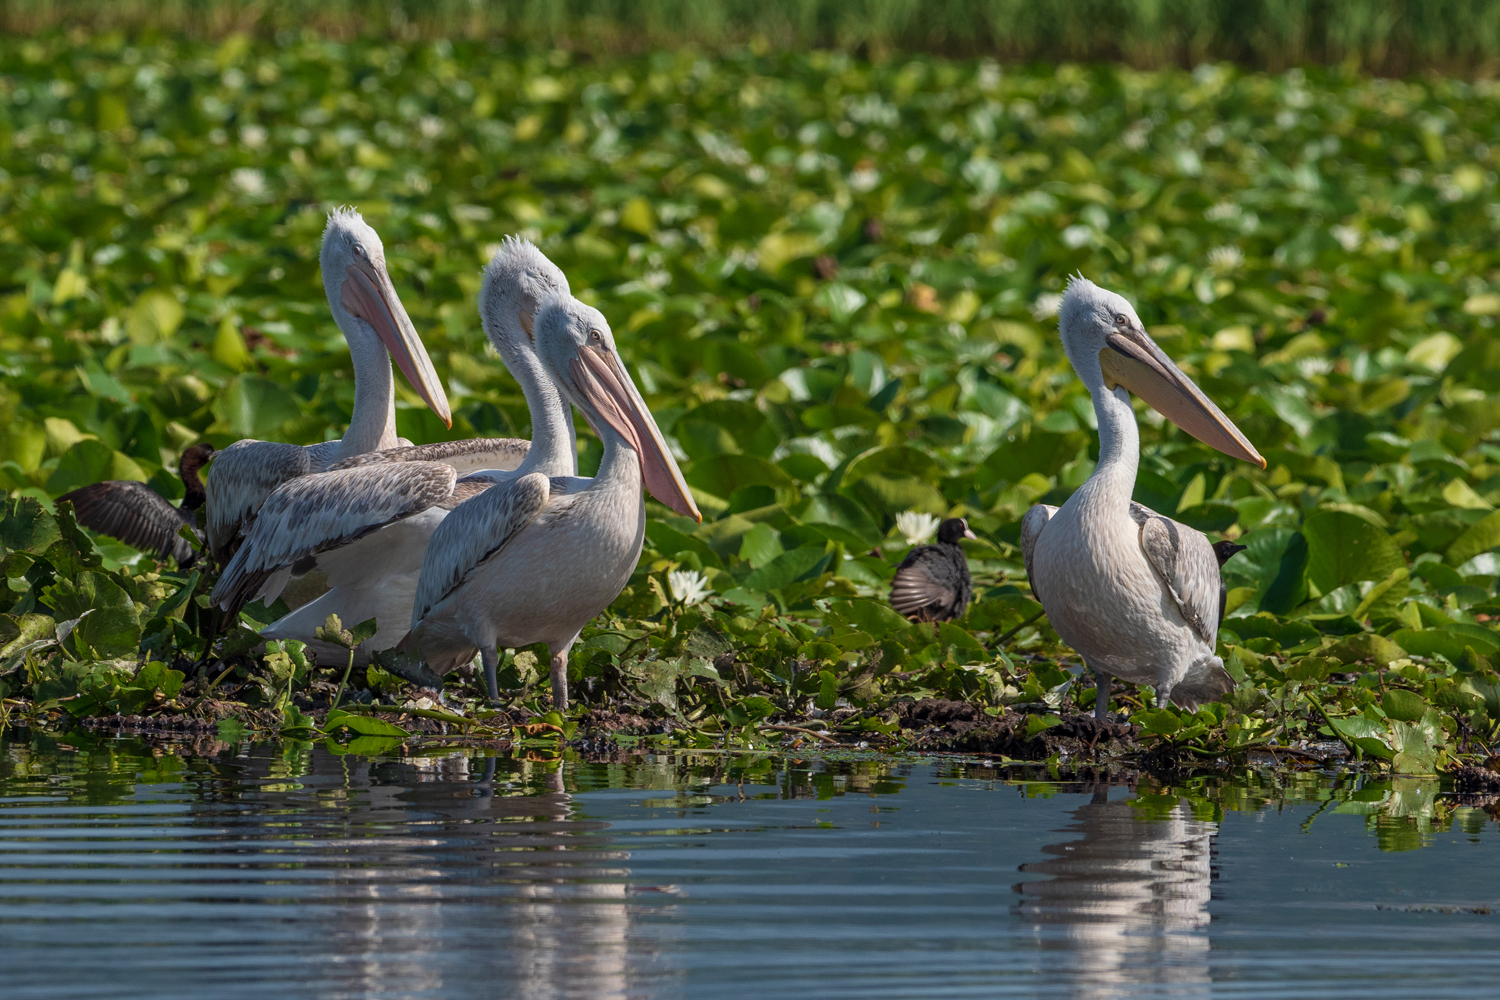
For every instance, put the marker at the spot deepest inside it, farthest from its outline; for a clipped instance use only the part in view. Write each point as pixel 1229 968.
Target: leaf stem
pixel 344 680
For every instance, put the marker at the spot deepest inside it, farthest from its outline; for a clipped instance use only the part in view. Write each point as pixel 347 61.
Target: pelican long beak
pixel 1132 359
pixel 611 394
pixel 367 292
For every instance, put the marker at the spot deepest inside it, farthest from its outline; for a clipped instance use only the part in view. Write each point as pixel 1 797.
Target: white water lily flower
pixel 1225 258
pixel 916 528
pixel 688 586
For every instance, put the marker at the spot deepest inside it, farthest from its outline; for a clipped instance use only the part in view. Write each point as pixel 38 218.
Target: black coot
pixel 932 583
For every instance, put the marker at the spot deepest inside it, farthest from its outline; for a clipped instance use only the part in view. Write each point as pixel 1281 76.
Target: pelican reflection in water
pixel 452 876
pixel 1130 896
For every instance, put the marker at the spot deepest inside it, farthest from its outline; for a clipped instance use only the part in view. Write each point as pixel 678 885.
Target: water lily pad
pixel 787 568
pixel 1366 646
pixel 1406 706
pixel 1343 548
pixel 1287 634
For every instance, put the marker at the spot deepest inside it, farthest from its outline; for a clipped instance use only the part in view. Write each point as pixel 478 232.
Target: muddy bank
pixel 956 726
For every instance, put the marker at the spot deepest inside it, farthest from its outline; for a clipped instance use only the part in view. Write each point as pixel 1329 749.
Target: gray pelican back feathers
pixel 472 455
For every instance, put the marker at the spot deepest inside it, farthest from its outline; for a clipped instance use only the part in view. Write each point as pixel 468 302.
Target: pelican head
pixel 357 283
pixel 517 280
pixel 1109 347
pixel 576 347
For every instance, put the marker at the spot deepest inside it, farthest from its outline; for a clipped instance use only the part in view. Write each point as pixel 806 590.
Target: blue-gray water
pixel 262 872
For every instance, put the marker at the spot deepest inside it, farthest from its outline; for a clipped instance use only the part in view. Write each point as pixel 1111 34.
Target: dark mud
pixel 956 726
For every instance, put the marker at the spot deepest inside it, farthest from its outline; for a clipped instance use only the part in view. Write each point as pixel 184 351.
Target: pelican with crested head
pixel 534 558
pixel 1138 595
pixel 369 313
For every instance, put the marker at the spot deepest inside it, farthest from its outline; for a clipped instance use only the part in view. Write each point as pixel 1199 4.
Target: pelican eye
pixel 596 337
pixel 1121 320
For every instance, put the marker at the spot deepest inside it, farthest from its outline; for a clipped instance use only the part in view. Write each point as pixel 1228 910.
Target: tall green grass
pixel 1376 35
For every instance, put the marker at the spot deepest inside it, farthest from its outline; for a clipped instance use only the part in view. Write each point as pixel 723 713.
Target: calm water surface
pixel 288 872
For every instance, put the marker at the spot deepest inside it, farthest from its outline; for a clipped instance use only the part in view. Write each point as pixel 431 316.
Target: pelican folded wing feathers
pixel 1184 560
pixel 476 530
pixel 241 478
pixel 1031 529
pixel 466 456
pixel 311 514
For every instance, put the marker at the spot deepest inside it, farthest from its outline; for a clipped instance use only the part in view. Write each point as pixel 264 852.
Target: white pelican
pixel 1137 594
pixel 535 558
pixel 366 522
pixel 369 312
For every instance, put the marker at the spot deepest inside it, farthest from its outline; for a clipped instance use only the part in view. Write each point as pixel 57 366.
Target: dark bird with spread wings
pixel 932 583
pixel 141 517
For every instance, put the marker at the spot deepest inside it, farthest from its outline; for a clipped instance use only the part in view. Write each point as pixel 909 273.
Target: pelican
pixel 1137 594
pixel 534 558
pixel 141 517
pixel 366 521
pixel 368 311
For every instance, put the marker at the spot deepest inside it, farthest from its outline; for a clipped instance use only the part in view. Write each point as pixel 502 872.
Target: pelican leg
pixel 560 679
pixel 490 657
pixel 1102 686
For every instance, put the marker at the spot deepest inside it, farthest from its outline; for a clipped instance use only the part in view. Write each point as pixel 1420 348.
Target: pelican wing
pixel 135 514
pixel 312 514
pixel 1184 561
pixel 241 478
pixel 1031 529
pixel 465 457
pixel 473 532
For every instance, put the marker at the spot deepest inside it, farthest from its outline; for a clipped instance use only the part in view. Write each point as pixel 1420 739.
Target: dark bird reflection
pixel 1130 897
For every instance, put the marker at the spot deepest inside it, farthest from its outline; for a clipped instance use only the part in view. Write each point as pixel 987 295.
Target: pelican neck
pixel 372 425
pixel 620 467
pixel 1113 479
pixel 554 443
